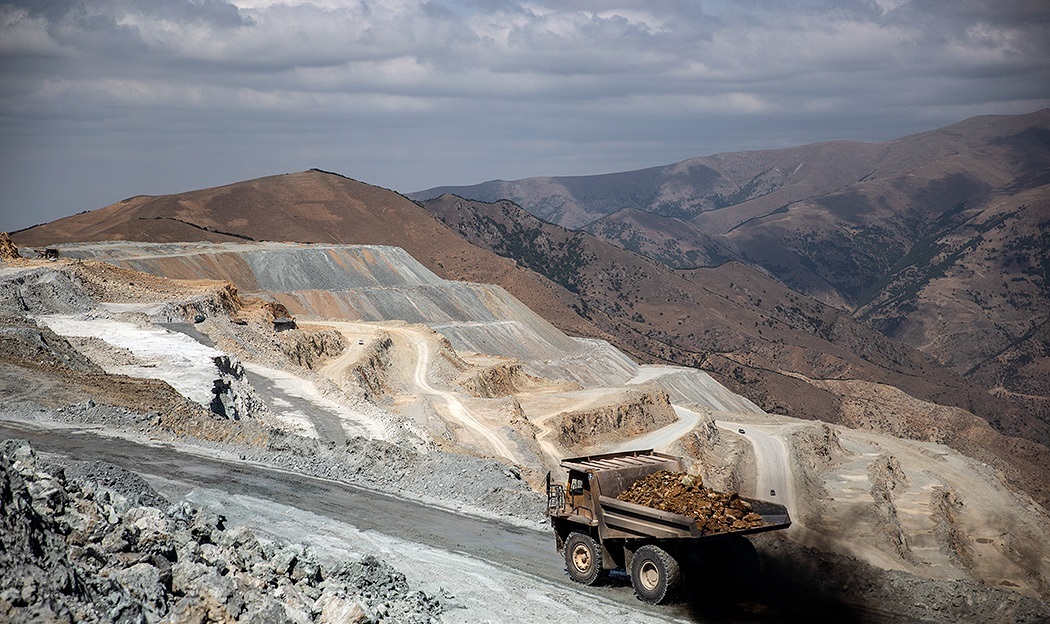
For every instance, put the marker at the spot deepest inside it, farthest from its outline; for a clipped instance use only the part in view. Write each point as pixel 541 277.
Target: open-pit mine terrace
pixel 378 284
pixel 401 403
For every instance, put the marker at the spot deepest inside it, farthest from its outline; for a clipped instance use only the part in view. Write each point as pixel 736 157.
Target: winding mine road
pixel 456 409
pixel 771 461
pixel 665 436
pixel 420 342
pixel 530 553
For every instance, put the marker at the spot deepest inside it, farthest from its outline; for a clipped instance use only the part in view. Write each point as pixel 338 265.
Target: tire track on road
pixel 455 407
pixel 775 479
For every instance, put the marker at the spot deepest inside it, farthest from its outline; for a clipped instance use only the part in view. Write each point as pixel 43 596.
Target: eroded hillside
pixel 936 239
pixel 778 347
pixel 399 407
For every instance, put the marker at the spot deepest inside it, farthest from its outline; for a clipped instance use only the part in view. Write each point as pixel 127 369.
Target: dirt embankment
pixel 814 452
pixel 8 250
pixel 637 412
pixel 724 462
pixel 106 282
pixel 100 545
pixel 497 380
pixel 886 477
pixel 311 349
pixel 374 371
pixel 446 366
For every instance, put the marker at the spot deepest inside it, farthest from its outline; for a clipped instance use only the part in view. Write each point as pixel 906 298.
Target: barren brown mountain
pixel 938 239
pixel 762 339
pixel 310 207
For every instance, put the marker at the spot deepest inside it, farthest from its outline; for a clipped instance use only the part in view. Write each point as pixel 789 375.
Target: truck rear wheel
pixel 655 574
pixel 583 558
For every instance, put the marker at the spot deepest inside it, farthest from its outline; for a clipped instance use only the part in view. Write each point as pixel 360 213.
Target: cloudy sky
pixel 104 99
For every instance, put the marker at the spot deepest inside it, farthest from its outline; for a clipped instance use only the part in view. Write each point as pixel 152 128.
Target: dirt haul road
pixel 526 557
pixel 455 407
pixel 420 341
pixel 774 479
pixel 666 436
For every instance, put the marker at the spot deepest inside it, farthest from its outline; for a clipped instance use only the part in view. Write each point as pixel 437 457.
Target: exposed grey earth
pixel 193 460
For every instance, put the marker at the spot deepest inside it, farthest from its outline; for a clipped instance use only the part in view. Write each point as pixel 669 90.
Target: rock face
pixel 235 398
pixel 22 337
pixel 499 380
pixel 639 412
pixel 42 291
pixel 8 251
pixel 89 546
pixel 374 369
pixel 311 349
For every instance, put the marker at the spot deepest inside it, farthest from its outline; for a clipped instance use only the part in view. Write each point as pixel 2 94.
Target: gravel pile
pixel 485 486
pixel 680 493
pixel 87 546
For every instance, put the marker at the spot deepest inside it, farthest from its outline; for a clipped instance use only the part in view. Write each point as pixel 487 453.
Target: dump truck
pixel 598 533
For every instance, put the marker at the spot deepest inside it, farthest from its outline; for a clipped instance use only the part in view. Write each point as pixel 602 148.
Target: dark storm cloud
pixel 130 96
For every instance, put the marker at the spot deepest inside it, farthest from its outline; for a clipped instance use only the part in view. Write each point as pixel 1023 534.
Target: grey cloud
pixel 457 91
pixel 107 28
pixel 90 13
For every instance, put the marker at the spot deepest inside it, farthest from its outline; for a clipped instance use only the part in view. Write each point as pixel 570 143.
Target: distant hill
pixel 311 207
pixel 757 335
pixel 671 241
pixel 938 239
pixel 787 352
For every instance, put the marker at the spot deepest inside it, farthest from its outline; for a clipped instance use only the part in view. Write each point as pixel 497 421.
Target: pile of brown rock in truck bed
pixel 680 493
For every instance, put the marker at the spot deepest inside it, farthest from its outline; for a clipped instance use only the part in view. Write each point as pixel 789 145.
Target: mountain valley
pixel 935 239
pixel 856 331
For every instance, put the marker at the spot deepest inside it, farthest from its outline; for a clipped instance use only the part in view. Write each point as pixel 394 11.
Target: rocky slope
pixel 639 411
pixel 935 238
pixel 94 543
pixel 422 372
pixel 671 241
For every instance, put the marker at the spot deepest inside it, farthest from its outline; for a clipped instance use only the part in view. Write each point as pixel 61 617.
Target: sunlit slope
pixel 382 283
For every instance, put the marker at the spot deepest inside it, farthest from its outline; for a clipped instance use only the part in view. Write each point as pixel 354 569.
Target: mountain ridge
pixel 935 238
pixel 786 352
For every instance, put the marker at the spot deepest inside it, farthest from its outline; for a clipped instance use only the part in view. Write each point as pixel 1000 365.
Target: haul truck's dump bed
pixel 607 476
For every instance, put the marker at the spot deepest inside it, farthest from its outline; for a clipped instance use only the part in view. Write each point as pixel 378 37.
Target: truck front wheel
pixel 583 558
pixel 655 574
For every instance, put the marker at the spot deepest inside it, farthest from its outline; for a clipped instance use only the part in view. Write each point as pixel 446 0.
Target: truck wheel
pixel 583 558
pixel 655 574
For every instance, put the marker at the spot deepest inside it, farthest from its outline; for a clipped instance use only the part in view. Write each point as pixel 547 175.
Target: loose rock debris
pixel 685 494
pixel 88 546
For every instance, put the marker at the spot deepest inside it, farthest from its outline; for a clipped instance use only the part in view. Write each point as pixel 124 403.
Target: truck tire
pixel 655 574
pixel 583 558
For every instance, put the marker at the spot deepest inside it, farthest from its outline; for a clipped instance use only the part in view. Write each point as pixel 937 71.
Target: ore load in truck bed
pixel 681 493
